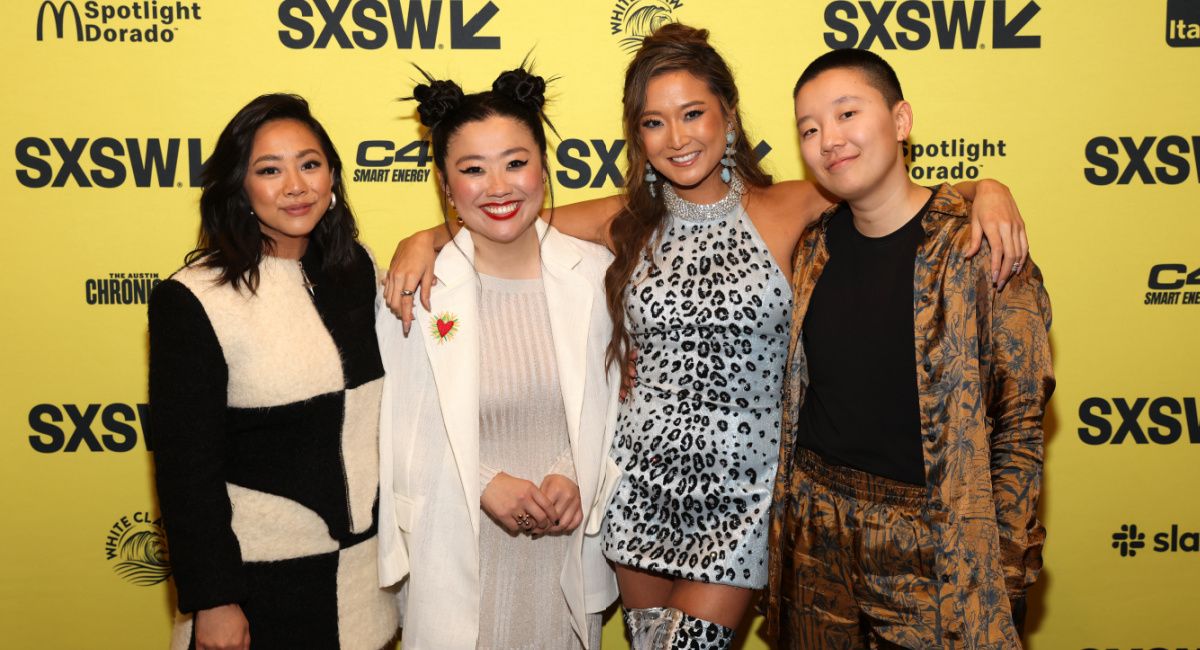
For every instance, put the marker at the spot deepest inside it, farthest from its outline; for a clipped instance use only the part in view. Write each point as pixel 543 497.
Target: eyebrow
pixel 503 154
pixel 275 157
pixel 840 100
pixel 694 102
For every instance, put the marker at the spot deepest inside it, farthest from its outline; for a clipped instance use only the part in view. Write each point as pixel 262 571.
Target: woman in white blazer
pixel 487 555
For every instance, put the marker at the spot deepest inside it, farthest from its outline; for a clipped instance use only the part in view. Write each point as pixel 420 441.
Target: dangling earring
pixel 332 202
pixel 728 163
pixel 651 179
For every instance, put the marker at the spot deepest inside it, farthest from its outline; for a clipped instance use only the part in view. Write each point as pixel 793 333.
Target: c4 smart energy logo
pixel 109 162
pixel 1130 540
pixel 384 161
pixel 1173 284
pixel 143 21
pixel 1183 23
pixel 136 547
pixel 634 20
pixel 1147 160
pixel 1139 421
pixel 917 24
pixel 374 24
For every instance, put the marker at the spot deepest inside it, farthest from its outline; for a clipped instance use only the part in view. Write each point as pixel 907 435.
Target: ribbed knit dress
pixel 523 433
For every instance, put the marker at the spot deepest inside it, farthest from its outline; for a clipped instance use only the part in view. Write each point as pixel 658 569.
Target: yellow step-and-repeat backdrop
pixel 1087 110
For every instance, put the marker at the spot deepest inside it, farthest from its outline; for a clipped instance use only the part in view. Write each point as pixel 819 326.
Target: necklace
pixel 308 284
pixel 701 212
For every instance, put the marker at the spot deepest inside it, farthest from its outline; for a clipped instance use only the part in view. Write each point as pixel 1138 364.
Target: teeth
pixel 687 158
pixel 501 210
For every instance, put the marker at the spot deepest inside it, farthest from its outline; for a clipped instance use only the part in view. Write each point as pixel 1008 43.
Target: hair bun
pixel 521 85
pixel 436 99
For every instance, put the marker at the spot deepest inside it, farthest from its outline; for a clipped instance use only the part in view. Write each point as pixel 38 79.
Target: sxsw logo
pixel 596 162
pixel 1119 420
pixel 372 24
pixel 1129 540
pixel 1168 159
pixel 109 162
pixel 71 428
pixel 916 24
pixel 1183 23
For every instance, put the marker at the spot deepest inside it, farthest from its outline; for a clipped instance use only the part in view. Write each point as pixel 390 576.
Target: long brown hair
pixel 634 231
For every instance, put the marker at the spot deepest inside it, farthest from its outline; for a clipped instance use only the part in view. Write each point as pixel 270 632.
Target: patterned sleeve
pixel 1015 360
pixel 188 379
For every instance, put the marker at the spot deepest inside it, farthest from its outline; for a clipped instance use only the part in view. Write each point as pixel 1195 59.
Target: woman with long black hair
pixel 265 384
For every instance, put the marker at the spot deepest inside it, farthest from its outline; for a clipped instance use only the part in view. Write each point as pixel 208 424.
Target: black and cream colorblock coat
pixel 264 412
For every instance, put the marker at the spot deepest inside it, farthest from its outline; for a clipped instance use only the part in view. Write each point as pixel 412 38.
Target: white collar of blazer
pixel 455 358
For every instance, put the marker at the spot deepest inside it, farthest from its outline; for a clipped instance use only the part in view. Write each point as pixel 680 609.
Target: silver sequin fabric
pixel 698 438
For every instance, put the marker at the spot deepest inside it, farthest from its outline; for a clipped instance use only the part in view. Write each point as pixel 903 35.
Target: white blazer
pixel 429 514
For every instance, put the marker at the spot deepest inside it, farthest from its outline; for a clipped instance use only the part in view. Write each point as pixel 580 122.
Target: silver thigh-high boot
pixel 641 624
pixel 679 631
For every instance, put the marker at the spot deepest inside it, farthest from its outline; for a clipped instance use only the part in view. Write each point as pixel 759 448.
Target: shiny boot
pixel 641 624
pixel 679 631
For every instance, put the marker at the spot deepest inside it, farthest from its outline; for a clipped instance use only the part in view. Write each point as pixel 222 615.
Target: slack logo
pixel 375 23
pixel 1183 23
pixel 1130 539
pixel 916 24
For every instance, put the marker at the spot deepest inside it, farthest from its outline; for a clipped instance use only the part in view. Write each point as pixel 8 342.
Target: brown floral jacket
pixel 983 376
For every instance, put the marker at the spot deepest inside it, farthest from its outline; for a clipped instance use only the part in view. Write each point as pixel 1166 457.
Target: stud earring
pixel 651 179
pixel 728 163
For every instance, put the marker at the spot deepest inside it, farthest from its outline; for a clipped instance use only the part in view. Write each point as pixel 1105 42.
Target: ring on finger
pixel 407 292
pixel 524 520
pixel 1016 267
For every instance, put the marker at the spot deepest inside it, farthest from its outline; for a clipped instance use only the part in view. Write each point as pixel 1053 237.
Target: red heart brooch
pixel 443 326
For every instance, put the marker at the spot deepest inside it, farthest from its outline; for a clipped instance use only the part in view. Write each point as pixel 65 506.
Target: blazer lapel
pixel 451 334
pixel 569 299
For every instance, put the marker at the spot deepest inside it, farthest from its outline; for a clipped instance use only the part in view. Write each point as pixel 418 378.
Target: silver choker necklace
pixel 702 212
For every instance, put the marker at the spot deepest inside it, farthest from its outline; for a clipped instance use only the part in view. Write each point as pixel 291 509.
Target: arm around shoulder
pixel 587 220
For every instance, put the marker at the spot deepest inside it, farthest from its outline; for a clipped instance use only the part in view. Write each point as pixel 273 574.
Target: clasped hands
pixel 521 506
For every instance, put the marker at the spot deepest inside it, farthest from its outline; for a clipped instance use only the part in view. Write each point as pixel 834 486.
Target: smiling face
pixel 849 137
pixel 495 179
pixel 682 130
pixel 289 184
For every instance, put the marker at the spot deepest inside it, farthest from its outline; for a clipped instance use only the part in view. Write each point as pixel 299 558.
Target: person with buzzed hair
pixel 905 506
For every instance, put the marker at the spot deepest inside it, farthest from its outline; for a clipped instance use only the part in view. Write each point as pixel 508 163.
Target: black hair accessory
pixel 523 86
pixel 435 99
